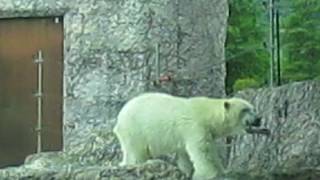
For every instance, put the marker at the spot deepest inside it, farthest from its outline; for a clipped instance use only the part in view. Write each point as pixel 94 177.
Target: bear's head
pixel 240 116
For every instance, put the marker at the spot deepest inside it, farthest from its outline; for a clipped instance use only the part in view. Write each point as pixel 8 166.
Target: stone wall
pixel 291 152
pixel 110 51
pixel 292 113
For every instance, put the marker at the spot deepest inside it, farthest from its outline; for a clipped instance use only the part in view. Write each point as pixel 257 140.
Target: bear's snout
pixel 256 122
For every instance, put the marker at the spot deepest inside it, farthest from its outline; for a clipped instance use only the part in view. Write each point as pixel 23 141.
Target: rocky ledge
pixel 96 158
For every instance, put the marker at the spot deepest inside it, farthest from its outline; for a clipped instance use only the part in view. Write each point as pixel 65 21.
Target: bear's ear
pixel 227 105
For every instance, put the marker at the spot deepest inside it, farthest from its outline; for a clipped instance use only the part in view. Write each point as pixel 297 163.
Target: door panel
pixel 20 40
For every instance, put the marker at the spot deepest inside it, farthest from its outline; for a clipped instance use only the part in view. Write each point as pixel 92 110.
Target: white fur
pixel 156 124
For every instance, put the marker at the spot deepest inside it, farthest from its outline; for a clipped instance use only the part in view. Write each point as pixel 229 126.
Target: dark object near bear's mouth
pixel 256 122
pixel 264 131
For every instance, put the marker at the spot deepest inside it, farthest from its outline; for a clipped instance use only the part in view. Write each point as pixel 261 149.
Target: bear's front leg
pixel 203 154
pixel 184 163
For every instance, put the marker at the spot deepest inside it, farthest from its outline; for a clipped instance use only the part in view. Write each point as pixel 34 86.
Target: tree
pixel 245 54
pixel 300 38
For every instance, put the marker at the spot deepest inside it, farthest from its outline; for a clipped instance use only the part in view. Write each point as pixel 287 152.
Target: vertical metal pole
pixel 158 61
pixel 278 44
pixel 271 12
pixel 178 33
pixel 39 62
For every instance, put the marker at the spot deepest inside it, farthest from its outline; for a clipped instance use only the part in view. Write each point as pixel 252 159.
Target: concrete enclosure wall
pixel 110 51
pixel 291 112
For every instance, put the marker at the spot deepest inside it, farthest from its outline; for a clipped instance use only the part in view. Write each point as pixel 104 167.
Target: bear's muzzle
pixel 256 122
pixel 253 128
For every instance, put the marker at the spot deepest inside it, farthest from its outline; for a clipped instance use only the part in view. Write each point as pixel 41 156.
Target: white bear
pixel 155 124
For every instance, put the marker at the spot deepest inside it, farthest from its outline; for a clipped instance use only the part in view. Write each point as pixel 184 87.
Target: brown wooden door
pixel 20 40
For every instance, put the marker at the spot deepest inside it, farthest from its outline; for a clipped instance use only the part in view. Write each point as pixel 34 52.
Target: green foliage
pixel 300 38
pixel 249 28
pixel 245 54
pixel 241 84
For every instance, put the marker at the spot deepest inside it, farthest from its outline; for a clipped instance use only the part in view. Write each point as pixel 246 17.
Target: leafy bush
pixel 245 83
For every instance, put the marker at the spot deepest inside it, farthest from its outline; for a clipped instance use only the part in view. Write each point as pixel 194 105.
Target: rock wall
pixel 95 156
pixel 115 49
pixel 110 51
pixel 292 112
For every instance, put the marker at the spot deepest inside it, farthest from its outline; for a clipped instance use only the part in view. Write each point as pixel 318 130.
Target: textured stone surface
pixel 110 56
pixel 109 51
pixel 291 152
pixel 96 156
pixel 292 112
pixel 148 171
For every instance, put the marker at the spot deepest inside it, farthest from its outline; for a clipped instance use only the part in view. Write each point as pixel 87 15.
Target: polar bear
pixel 155 124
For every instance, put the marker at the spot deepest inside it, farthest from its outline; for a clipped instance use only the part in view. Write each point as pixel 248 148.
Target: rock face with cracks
pixel 111 50
pixel 251 157
pixel 292 113
pixel 110 56
pixel 96 157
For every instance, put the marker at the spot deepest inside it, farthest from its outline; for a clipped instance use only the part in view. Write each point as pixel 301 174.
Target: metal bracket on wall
pixel 160 78
pixel 39 95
